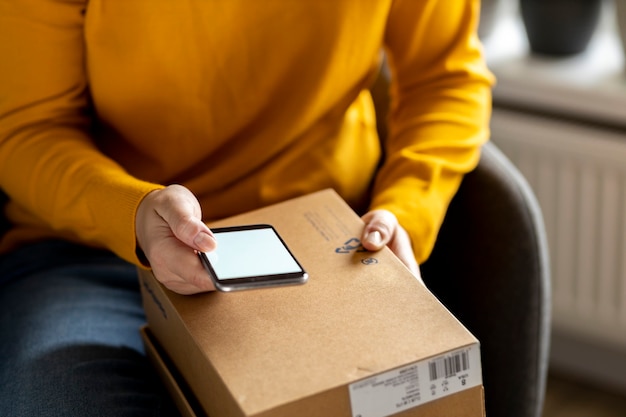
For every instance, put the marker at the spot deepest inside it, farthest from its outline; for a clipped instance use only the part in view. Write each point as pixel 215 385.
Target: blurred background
pixel 560 116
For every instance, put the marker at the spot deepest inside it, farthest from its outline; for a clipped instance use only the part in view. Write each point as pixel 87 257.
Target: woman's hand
pixel 170 230
pixel 382 228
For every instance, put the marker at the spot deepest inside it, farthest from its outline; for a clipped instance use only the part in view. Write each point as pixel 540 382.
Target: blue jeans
pixel 69 341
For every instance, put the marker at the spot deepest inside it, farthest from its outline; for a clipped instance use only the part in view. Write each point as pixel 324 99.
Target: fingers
pixel 169 230
pixel 181 211
pixel 401 246
pixel 382 228
pixel 178 268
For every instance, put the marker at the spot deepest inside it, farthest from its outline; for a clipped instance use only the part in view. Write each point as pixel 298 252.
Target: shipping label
pixel 403 388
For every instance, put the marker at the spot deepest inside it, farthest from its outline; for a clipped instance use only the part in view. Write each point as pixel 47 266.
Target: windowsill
pixel 591 85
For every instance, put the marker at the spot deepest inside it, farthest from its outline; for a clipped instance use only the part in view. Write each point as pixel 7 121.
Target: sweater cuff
pixel 115 201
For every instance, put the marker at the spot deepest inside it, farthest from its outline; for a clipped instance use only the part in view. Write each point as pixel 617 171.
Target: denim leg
pixel 70 344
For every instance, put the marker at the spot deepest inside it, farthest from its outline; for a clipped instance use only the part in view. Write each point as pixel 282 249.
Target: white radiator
pixel 578 173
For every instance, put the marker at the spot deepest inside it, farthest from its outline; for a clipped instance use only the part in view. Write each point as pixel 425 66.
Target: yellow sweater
pixel 245 102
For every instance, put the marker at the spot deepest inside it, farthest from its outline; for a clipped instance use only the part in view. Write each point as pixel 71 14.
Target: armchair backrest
pixel 490 267
pixel 4 223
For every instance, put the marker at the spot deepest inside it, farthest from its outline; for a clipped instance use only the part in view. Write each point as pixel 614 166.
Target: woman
pixel 124 126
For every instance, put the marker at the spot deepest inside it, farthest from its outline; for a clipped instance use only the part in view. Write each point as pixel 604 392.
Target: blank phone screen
pixel 250 253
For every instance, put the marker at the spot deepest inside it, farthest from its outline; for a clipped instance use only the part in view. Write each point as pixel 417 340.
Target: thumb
pixel 195 233
pixel 181 210
pixel 380 227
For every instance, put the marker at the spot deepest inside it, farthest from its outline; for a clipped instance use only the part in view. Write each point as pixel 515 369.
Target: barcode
pixel 448 366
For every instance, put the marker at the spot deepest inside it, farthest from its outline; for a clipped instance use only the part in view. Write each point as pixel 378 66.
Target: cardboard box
pixel 363 338
pixel 183 397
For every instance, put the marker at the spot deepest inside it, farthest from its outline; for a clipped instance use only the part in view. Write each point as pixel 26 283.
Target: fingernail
pixel 375 238
pixel 204 242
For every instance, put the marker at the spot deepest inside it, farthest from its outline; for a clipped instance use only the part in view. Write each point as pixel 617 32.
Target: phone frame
pixel 256 281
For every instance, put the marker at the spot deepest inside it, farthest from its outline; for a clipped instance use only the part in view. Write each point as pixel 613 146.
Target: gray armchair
pixel 490 267
pixel 4 224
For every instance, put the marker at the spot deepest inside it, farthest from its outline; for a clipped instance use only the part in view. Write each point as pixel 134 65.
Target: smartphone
pixel 251 256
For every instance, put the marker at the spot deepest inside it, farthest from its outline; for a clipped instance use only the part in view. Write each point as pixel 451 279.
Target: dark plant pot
pixel 560 27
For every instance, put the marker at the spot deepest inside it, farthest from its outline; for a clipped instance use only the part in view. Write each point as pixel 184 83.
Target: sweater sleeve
pixel 49 164
pixel 440 109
